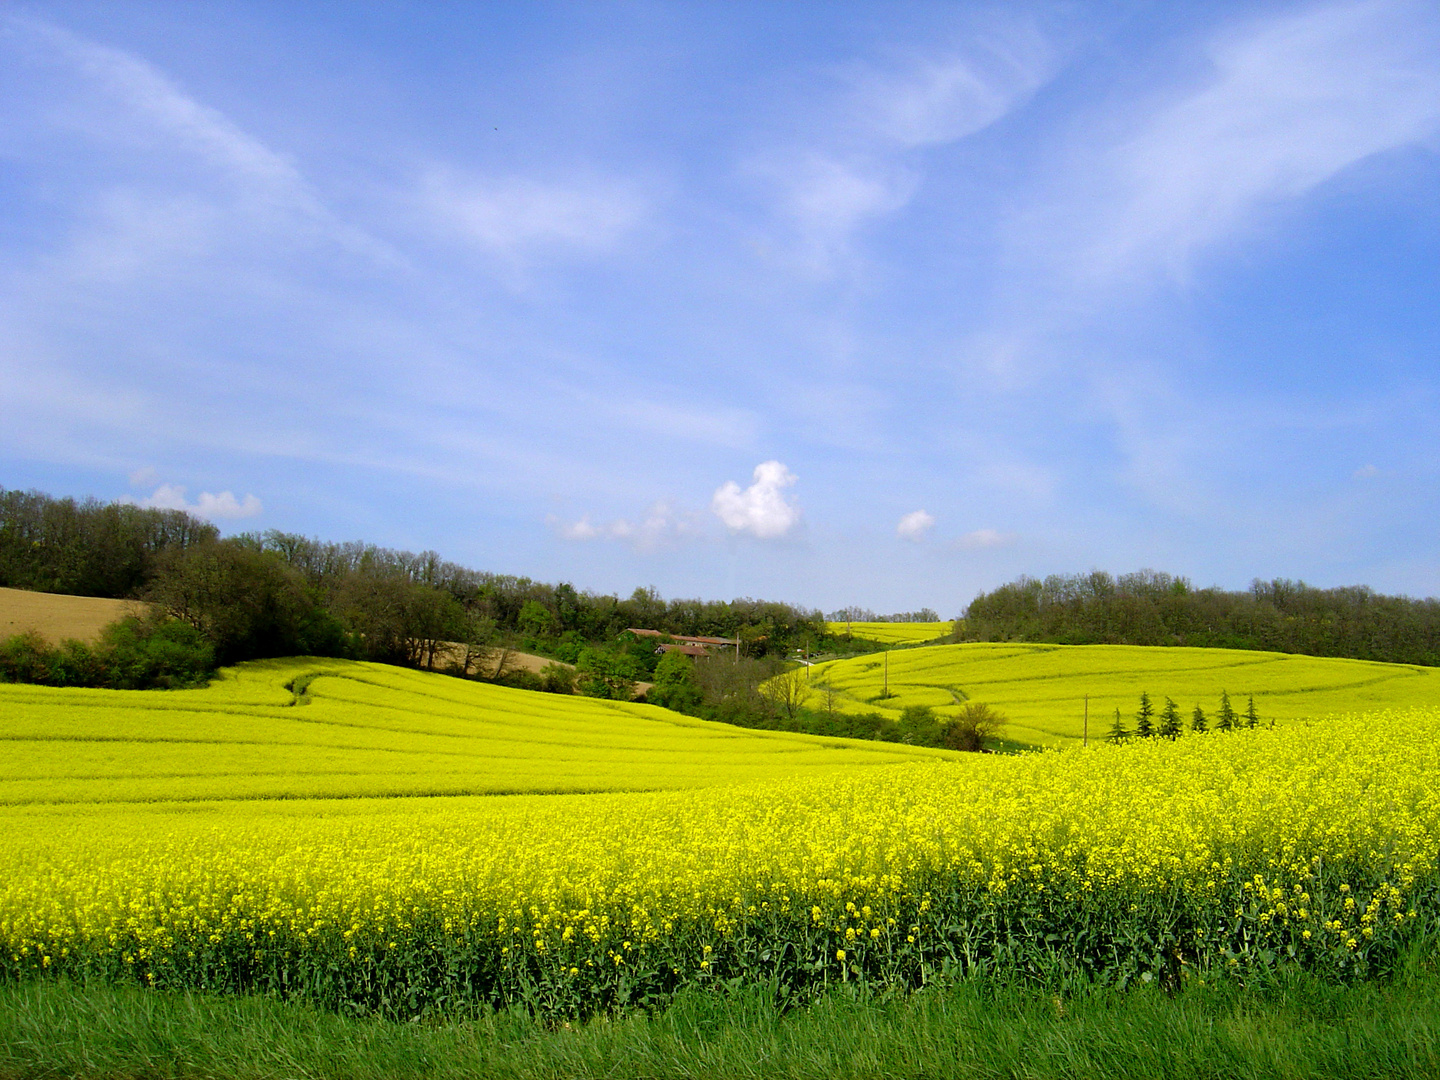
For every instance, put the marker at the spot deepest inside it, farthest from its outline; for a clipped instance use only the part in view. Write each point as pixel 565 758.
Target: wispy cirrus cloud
pixel 1284 104
pixel 1150 192
pixel 519 217
pixel 865 160
pixel 1290 102
pixel 150 104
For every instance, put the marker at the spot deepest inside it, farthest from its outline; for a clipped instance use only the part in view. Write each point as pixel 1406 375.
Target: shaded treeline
pixel 538 609
pixel 771 694
pixel 280 594
pixel 854 613
pixel 88 548
pixel 1150 608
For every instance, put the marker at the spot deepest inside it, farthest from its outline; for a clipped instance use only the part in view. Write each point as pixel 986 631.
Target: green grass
pixel 1042 688
pixel 1293 1026
pixel 363 729
pixel 892 633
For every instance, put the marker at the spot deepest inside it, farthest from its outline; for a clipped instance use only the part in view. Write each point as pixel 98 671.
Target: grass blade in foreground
pixel 1294 1026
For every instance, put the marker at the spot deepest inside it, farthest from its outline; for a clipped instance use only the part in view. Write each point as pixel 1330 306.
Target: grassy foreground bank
pixel 1295 1025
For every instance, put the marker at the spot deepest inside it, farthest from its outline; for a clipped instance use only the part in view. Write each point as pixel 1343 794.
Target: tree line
pixel 1150 608
pixel 88 548
pixel 864 614
pixel 281 594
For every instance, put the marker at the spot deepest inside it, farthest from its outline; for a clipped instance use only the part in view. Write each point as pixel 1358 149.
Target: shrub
pixel 133 654
pixel 557 679
pixel 975 722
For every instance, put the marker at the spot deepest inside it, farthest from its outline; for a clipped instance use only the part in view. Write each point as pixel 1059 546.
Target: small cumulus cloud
pixel 208 506
pixel 986 538
pixel 760 509
pixel 1365 472
pixel 915 526
pixel 662 527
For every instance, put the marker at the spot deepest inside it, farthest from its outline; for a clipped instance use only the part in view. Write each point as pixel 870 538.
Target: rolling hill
pixel 1042 689
pixel 362 729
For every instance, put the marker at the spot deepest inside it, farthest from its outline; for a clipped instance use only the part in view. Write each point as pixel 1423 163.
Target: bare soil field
pixel 59 617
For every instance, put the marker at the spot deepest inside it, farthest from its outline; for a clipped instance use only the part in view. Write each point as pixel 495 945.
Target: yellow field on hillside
pixel 365 729
pixel 892 633
pixel 1146 861
pixel 59 617
pixel 1042 688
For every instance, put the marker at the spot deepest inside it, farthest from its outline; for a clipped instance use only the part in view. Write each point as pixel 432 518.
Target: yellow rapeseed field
pixel 1042 688
pixel 893 633
pixel 370 729
pixel 1312 843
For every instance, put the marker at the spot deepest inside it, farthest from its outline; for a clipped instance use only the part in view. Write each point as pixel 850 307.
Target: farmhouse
pixel 688 644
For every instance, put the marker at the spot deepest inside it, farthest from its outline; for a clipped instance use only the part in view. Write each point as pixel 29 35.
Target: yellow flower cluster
pixel 1313 842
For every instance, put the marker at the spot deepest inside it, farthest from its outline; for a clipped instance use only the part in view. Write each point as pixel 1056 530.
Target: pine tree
pixel 1144 722
pixel 1227 713
pixel 1118 734
pixel 1197 721
pixel 1170 720
pixel 1252 718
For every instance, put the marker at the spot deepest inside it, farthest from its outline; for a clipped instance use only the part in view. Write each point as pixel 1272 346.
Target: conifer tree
pixel 1170 720
pixel 1197 720
pixel 1252 718
pixel 1226 720
pixel 1118 734
pixel 1144 719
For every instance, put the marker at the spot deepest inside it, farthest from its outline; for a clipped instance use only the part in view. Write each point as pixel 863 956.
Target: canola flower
pixel 1314 844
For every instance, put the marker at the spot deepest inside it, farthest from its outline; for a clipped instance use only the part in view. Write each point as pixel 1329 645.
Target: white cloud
pixel 662 527
pixel 761 509
pixel 208 506
pixel 986 538
pixel 142 476
pixel 1365 472
pixel 915 525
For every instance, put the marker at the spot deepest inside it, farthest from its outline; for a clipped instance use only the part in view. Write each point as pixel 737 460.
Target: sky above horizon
pixel 870 304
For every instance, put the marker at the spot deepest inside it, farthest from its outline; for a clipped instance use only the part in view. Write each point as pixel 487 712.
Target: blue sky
pixel 877 304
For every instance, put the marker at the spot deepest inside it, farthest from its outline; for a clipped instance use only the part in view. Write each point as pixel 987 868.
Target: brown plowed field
pixel 60 617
